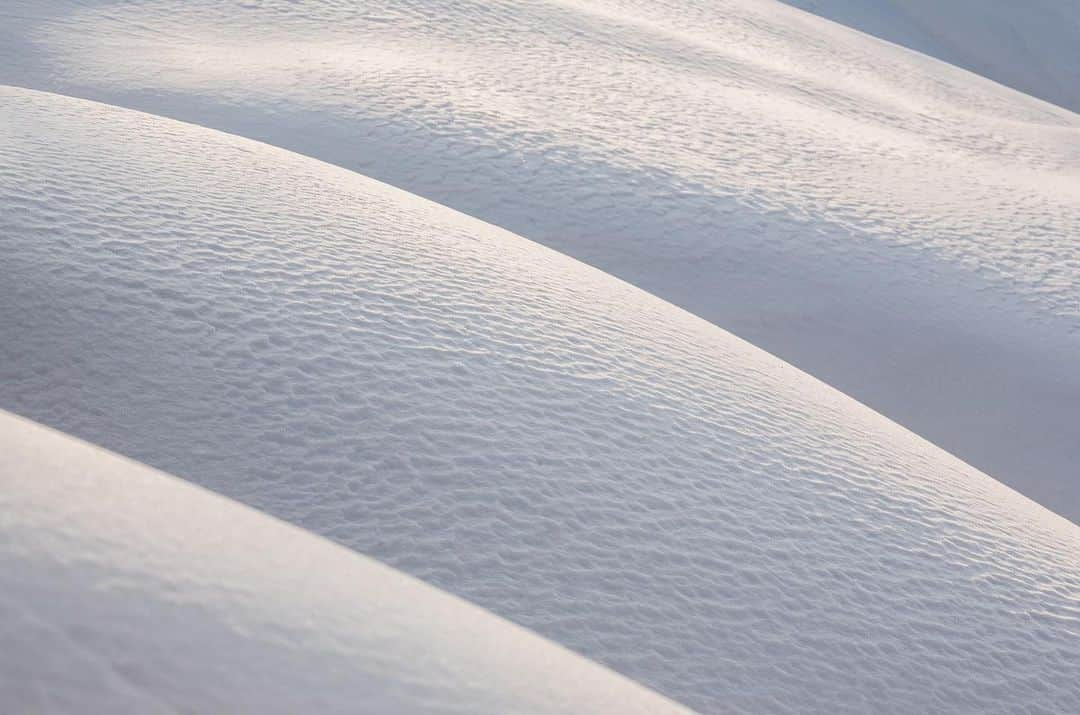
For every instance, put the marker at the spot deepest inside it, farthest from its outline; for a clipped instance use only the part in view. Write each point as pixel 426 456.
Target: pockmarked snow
pixel 502 421
pixel 900 228
pixel 1030 45
pixel 125 590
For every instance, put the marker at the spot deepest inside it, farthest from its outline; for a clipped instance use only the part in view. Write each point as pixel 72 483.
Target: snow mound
pixel 1030 45
pixel 125 590
pixel 900 228
pixel 512 426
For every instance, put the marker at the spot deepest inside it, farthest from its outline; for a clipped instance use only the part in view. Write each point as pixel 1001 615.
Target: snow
pixel 500 420
pixel 125 590
pixel 900 228
pixel 1030 46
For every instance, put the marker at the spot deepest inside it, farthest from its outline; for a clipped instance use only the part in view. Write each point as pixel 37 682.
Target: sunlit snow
pixel 722 344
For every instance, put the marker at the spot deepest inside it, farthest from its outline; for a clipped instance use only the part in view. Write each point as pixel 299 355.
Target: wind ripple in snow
pixel 899 228
pixel 512 426
pixel 124 590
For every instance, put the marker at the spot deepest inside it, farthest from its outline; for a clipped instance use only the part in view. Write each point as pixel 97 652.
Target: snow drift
pixel 1030 46
pixel 125 590
pixel 512 426
pixel 900 228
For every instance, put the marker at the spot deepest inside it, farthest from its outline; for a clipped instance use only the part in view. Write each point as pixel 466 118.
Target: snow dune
pixel 900 228
pixel 124 590
pixel 1030 45
pixel 506 423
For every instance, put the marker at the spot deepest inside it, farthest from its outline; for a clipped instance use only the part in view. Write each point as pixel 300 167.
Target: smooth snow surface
pixel 1030 45
pixel 512 426
pixel 124 590
pixel 902 229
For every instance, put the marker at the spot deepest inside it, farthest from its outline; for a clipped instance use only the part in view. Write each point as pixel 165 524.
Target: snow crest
pixel 899 228
pixel 512 426
pixel 125 590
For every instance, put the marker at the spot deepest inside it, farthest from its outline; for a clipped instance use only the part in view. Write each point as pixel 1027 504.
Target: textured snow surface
pixel 512 426
pixel 902 229
pixel 1030 45
pixel 125 590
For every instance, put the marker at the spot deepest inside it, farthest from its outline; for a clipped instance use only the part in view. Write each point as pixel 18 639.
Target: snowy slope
pixel 512 426
pixel 124 590
pixel 901 229
pixel 1030 45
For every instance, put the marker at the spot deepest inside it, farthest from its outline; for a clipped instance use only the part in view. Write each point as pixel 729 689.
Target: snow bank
pixel 1030 46
pixel 125 590
pixel 899 228
pixel 510 425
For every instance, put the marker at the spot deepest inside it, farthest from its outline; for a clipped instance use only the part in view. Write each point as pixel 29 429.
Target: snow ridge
pixel 512 426
pixel 900 228
pixel 1030 46
pixel 124 590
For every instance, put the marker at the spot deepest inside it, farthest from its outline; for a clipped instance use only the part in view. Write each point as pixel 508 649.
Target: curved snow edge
pixel 110 566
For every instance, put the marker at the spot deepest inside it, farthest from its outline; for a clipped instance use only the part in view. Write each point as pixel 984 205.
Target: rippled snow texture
pixel 1028 45
pixel 900 228
pixel 124 590
pixel 512 426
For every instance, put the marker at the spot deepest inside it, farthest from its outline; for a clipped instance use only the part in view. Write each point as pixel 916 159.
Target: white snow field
pixel 1029 45
pixel 900 228
pixel 125 590
pixel 512 426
